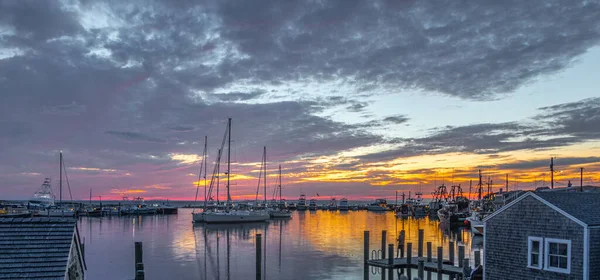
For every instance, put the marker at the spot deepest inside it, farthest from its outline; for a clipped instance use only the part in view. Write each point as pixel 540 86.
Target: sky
pixel 355 99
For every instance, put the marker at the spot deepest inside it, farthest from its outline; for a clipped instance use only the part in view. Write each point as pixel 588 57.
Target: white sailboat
pixel 61 210
pixel 280 212
pixel 230 215
pixel 198 217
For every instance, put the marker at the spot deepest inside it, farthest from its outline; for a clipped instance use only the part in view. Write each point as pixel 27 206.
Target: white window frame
pixel 540 252
pixel 547 255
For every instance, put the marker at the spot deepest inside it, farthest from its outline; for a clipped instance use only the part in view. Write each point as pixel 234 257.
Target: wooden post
pixel 451 252
pixel 366 255
pixel 440 262
pixel 477 258
pixel 421 266
pixel 466 269
pixel 401 243
pixel 429 259
pixel 258 256
pixel 391 261
pixel 383 242
pixel 461 255
pixel 139 261
pixel 409 260
pixel 420 248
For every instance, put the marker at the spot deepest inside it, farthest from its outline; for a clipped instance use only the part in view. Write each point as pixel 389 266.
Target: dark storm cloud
pixel 122 85
pixel 400 119
pixel 559 161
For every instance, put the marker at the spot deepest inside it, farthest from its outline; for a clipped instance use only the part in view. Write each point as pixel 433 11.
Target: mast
pixel 280 183
pixel 60 180
pixel 552 172
pixel 506 182
pixel 480 186
pixel 228 159
pixel 265 167
pixel 581 179
pixel 204 160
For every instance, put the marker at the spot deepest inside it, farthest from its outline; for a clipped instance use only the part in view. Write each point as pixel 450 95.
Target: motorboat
pixel 332 205
pixel 343 204
pixel 236 216
pixel 379 205
pixel 312 205
pixel 302 206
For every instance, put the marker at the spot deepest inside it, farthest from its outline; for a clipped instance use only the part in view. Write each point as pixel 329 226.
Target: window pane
pixel 553 248
pixel 534 260
pixel 562 249
pixel 563 262
pixel 535 246
pixel 553 261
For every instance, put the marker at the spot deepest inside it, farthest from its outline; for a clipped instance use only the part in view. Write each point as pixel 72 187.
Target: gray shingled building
pixel 40 248
pixel 544 235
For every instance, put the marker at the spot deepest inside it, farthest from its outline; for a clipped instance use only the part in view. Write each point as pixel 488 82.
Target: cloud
pixel 544 163
pixel 399 119
pixel 238 96
pixel 134 136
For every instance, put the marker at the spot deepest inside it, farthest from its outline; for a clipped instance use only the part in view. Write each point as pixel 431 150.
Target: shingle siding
pixel 506 241
pixel 595 253
pixel 35 248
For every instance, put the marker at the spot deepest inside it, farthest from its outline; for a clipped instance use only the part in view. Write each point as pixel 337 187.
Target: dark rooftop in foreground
pixel 35 248
pixel 584 206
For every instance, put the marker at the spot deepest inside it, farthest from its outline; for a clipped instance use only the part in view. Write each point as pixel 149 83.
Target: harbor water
pixel 311 245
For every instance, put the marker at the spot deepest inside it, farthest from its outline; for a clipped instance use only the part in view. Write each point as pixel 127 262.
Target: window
pixel 535 252
pixel 557 255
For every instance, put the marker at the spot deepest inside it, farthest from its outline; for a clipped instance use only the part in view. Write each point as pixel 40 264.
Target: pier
pixel 421 263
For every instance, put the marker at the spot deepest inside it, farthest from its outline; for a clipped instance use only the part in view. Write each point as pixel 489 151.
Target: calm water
pixel 312 245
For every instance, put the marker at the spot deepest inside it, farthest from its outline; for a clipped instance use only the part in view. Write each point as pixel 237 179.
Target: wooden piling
pixel 461 255
pixel 383 242
pixel 440 262
pixel 451 252
pixel 401 243
pixel 420 248
pixel 477 258
pixel 409 259
pixel 391 261
pixel 366 255
pixel 258 256
pixel 421 268
pixel 139 261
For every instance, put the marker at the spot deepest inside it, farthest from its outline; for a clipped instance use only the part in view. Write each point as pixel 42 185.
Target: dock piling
pixel 409 259
pixel 420 248
pixel 461 255
pixel 391 261
pixel 429 259
pixel 139 261
pixel 421 268
pixel 401 243
pixel 258 256
pixel 451 256
pixel 440 262
pixel 477 258
pixel 366 255
pixel 383 242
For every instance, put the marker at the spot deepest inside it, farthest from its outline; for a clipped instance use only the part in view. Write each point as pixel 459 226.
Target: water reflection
pixel 312 245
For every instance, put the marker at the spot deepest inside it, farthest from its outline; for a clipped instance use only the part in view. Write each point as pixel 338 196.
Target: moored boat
pixel 312 205
pixel 332 205
pixel 379 205
pixel 302 206
pixel 343 204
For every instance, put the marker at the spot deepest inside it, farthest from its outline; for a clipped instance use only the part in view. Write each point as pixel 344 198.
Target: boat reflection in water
pixel 311 245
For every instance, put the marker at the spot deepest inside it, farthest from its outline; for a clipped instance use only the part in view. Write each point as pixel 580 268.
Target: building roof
pixel 583 206
pixel 35 248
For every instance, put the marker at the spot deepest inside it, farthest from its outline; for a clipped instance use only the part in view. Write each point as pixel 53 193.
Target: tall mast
pixel 581 179
pixel 280 183
pixel 265 167
pixel 60 180
pixel 204 161
pixel 480 185
pixel 228 158
pixel 552 172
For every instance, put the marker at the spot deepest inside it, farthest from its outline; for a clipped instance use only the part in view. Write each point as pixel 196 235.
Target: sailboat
pixel 198 217
pixel 230 215
pixel 280 212
pixel 60 210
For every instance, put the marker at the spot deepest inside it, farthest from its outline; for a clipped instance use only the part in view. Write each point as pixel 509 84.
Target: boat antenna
pixel 552 172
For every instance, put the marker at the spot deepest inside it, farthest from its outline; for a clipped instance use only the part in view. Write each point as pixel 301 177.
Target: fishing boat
pixel 403 210
pixel 475 222
pixel 231 215
pixel 332 205
pixel 301 206
pixel 43 198
pixel 312 205
pixel 343 204
pixel 280 212
pixel 379 205
pixel 138 207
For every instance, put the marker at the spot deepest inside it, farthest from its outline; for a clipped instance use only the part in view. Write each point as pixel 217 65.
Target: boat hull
pixel 280 215
pixel 198 217
pixel 376 208
pixel 236 217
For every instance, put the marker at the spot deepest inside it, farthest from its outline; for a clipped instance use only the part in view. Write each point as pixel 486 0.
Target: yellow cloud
pixel 185 158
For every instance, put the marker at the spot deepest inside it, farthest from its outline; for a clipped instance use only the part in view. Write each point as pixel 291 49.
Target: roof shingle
pixel 583 206
pixel 35 248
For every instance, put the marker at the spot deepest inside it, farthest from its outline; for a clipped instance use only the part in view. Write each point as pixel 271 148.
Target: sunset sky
pixel 354 99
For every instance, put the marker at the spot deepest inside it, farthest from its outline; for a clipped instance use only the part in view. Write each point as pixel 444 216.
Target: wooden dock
pixel 422 263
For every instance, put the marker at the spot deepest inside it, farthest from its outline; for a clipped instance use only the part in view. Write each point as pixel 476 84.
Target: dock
pixel 423 263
